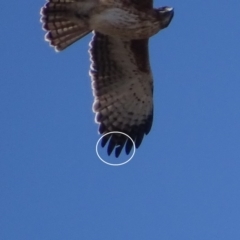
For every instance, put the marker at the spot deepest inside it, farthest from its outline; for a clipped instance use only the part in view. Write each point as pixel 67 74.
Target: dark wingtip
pixel 105 140
pixel 118 150
pixel 129 146
pixel 111 146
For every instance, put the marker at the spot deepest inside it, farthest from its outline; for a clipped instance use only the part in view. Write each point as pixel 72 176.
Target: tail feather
pixel 62 42
pixel 61 31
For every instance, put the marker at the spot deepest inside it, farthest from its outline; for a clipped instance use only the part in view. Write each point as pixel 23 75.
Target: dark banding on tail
pixel 57 16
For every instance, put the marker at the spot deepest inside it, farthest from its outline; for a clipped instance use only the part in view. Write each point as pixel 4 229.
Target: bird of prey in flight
pixel 121 75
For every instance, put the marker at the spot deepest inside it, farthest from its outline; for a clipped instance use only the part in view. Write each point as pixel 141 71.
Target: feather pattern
pixel 58 20
pixel 120 71
pixel 122 87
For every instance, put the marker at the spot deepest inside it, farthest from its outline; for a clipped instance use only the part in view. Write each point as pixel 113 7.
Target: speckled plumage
pixel 120 70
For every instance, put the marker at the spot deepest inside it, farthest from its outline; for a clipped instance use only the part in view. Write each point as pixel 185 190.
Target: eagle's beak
pixel 167 14
pixel 168 9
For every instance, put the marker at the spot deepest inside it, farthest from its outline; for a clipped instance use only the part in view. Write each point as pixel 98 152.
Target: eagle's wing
pixel 123 90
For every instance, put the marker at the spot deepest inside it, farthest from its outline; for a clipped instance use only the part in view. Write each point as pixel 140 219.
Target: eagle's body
pixel 120 69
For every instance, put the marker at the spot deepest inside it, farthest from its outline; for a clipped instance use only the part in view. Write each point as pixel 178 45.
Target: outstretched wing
pixel 123 90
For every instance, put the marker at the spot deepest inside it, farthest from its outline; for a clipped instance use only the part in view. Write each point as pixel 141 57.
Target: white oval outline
pixel 115 164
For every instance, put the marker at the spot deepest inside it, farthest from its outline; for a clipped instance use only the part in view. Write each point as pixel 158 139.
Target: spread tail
pixel 57 16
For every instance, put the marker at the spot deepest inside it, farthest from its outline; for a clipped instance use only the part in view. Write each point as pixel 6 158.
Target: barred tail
pixel 56 17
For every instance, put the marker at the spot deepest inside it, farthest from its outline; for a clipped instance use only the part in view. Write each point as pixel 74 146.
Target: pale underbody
pixel 117 22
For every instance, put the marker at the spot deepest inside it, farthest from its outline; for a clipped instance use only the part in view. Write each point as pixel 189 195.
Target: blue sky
pixel 184 181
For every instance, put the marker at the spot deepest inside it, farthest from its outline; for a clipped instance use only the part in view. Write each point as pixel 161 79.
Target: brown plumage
pixel 120 70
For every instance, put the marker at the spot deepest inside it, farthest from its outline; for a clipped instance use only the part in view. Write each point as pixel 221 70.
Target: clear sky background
pixel 184 181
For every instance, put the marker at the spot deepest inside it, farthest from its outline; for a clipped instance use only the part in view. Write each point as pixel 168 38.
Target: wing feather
pixel 122 88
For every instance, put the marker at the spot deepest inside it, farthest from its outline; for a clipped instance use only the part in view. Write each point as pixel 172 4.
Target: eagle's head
pixel 165 15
